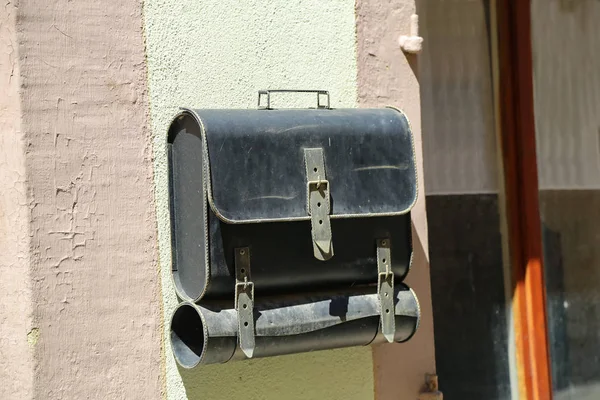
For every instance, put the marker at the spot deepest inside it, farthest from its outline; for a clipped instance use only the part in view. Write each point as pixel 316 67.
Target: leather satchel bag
pixel 290 208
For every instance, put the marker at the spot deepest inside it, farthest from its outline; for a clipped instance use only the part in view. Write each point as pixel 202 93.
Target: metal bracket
pixel 318 203
pixel 431 389
pixel 385 289
pixel 244 300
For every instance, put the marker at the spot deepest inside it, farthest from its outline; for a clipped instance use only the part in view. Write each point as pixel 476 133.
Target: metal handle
pixel 267 93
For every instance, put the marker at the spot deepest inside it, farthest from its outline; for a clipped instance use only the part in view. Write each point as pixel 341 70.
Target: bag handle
pixel 267 93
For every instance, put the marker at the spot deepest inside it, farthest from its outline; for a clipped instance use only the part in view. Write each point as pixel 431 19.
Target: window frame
pixel 518 148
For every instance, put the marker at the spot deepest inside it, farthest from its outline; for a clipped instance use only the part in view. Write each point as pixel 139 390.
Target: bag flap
pixel 256 171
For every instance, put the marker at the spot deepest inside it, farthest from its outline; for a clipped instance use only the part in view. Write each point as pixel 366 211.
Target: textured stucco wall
pixel 218 53
pixel 94 273
pixel 16 362
pixel 80 307
pixel 386 76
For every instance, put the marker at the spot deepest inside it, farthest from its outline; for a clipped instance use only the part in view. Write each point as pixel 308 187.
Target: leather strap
pixel 318 203
pixel 244 301
pixel 385 289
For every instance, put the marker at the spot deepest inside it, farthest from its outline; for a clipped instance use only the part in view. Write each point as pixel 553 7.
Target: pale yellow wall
pixel 217 54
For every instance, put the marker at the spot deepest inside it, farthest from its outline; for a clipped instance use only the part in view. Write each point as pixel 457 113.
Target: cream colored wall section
pixel 217 54
pixel 387 76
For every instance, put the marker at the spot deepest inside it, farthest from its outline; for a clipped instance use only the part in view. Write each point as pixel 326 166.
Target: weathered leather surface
pixel 281 254
pixel 208 333
pixel 258 174
pixel 257 169
pixel 187 203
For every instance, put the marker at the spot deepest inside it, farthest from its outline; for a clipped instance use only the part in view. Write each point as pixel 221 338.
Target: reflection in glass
pixel 566 56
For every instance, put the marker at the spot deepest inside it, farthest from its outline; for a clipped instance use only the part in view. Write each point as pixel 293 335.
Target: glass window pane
pixel 473 341
pixel 566 57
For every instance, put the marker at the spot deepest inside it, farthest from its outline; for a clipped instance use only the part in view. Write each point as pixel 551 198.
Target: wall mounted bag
pixel 271 204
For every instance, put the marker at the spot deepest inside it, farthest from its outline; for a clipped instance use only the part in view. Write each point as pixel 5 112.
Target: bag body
pixel 309 193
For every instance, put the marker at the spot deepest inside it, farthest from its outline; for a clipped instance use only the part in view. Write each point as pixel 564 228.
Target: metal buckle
pixel 244 301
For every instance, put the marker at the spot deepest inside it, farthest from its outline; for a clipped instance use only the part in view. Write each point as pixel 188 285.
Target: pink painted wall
pixel 91 223
pixel 386 76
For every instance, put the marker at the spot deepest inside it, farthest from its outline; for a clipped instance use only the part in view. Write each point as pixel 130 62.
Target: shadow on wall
pixel 301 376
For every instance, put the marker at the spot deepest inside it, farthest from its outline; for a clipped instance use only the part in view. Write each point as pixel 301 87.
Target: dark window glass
pixel 566 57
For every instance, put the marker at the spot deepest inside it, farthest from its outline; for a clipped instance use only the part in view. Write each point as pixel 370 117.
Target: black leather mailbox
pixel 274 206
